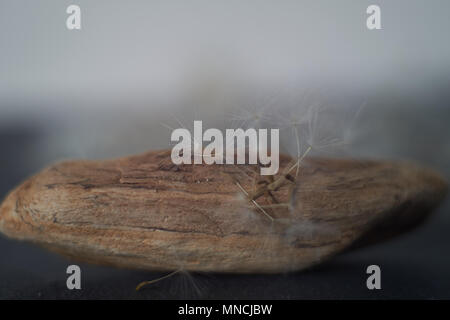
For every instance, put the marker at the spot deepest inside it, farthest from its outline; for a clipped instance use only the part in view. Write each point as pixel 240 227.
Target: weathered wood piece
pixel 145 212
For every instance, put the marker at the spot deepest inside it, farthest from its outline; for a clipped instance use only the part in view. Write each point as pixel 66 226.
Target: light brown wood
pixel 145 212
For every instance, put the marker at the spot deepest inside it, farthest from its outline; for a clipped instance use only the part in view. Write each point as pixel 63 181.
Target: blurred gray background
pixel 111 89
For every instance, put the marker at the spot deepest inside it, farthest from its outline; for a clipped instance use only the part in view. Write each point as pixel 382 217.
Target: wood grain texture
pixel 145 212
